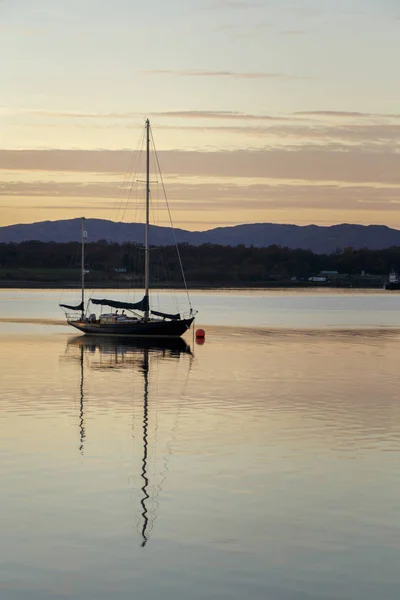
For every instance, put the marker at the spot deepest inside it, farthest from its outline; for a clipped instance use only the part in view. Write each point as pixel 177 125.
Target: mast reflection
pixel 143 473
pixel 119 353
pixel 82 431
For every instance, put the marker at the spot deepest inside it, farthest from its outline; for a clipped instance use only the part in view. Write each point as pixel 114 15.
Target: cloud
pixel 78 115
pixel 291 129
pixel 232 74
pixel 293 32
pixel 334 162
pixel 239 32
pixel 205 198
pixel 301 11
pixel 349 133
pixel 232 5
pixel 75 189
pixel 260 27
pixel 103 206
pixel 218 114
pixel 179 114
pixel 206 192
pixel 340 114
pixel 203 114
pixel 376 133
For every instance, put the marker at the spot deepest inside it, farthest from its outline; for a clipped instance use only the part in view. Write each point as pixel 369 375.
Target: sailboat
pixel 393 283
pixel 141 319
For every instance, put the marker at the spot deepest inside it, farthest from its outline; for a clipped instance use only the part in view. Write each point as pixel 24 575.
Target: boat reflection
pixel 119 352
pixel 116 352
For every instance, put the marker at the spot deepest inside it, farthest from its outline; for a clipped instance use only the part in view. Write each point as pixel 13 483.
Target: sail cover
pixel 142 305
pixel 166 315
pixel 69 307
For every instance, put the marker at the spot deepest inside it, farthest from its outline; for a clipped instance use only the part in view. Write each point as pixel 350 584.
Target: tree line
pixel 208 263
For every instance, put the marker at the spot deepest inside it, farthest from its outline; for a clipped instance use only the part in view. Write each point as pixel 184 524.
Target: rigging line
pixel 140 153
pixel 135 429
pixel 125 192
pixel 159 222
pixel 74 260
pixel 119 202
pixel 170 220
pixel 134 176
pixel 155 213
pixel 132 169
pixel 138 200
pixel 164 263
pixel 170 442
pixel 161 253
pixel 156 415
pixel 139 209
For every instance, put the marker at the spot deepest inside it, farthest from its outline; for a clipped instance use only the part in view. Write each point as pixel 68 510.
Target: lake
pixel 263 463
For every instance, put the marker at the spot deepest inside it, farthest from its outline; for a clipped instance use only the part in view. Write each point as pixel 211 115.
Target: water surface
pixel 262 464
pixel 303 308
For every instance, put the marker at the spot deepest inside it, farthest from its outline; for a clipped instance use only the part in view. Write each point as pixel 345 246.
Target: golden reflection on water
pixel 33 321
pixel 345 380
pixel 267 445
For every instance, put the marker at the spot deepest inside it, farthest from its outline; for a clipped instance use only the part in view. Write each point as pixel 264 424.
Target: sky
pixel 261 111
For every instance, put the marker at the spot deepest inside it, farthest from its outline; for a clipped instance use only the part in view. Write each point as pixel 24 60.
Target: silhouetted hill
pixel 310 237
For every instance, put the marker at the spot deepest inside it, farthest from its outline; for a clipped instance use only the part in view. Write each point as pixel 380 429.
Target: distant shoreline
pixel 67 285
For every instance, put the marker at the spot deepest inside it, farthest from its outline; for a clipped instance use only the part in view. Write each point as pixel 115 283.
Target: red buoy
pixel 200 333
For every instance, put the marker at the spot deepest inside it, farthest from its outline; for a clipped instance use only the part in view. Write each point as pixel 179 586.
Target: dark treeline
pixel 206 263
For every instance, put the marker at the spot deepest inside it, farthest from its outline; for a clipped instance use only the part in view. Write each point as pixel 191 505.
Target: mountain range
pixel 321 240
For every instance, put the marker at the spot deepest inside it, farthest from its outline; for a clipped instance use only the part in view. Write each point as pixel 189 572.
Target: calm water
pixel 252 308
pixel 262 464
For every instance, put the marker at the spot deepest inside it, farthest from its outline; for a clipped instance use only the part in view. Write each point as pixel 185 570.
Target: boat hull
pixel 140 329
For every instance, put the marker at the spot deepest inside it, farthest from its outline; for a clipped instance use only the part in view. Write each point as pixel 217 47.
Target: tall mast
pixel 146 237
pixel 83 265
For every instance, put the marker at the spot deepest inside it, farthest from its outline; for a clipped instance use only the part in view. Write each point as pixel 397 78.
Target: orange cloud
pixel 179 114
pixel 331 162
pixel 341 113
pixel 219 114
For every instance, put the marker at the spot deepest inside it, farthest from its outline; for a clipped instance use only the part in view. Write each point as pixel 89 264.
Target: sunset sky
pixel 262 111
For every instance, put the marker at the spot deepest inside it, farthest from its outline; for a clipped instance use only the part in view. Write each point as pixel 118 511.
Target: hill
pixel 321 240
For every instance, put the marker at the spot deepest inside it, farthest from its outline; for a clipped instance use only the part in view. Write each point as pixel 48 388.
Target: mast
pixel 83 265
pixel 146 236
